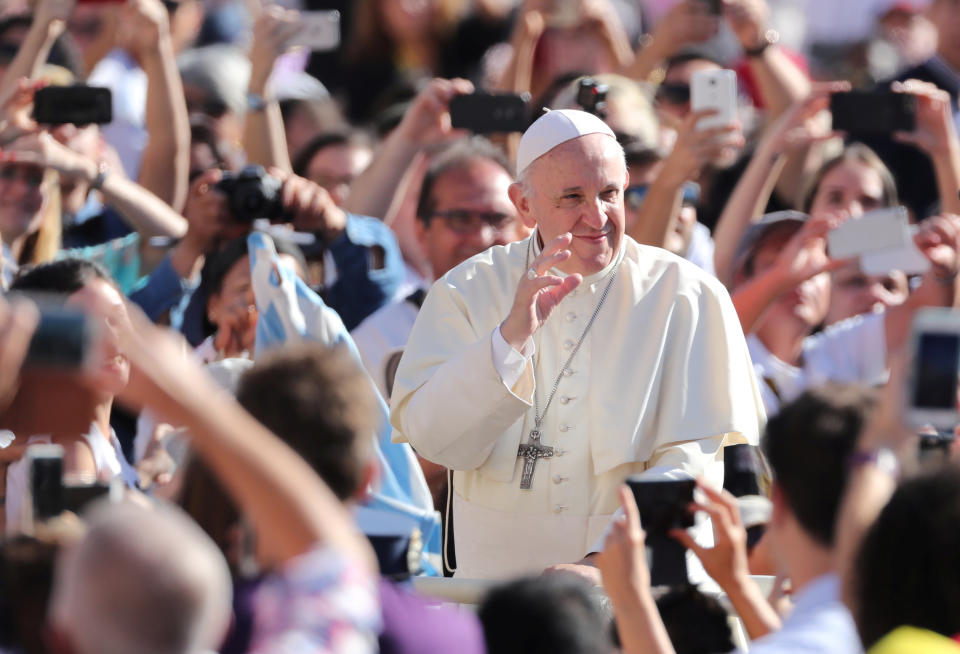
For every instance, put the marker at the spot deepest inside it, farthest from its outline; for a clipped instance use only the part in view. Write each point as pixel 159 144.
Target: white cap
pixel 556 127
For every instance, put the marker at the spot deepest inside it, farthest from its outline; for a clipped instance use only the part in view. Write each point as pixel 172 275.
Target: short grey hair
pixel 142 580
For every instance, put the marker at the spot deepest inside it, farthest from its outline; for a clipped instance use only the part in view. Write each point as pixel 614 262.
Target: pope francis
pixel 546 371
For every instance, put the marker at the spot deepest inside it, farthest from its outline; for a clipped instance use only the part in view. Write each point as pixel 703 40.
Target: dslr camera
pixel 252 194
pixel 592 96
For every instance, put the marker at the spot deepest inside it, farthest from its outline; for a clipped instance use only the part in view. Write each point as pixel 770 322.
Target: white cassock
pixel 663 379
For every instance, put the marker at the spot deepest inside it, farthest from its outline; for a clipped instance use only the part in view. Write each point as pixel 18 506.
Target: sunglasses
pixel 27 174
pixel 634 195
pixel 464 221
pixel 674 93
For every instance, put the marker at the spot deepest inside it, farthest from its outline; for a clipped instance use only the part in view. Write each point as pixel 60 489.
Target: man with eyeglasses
pixel 463 209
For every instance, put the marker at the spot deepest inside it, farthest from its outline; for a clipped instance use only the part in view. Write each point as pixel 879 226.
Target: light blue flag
pixel 291 312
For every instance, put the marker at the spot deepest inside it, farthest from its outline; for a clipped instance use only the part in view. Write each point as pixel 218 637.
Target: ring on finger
pixel 532 274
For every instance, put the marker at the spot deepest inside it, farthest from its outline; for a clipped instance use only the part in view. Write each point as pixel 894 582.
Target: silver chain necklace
pixel 533 450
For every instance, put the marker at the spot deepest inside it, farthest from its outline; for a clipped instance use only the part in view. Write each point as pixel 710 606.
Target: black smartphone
pixel 742 470
pixel 487 113
pixel 715 7
pixel 873 112
pixel 663 506
pixel 62 341
pixel 79 105
pixel 46 480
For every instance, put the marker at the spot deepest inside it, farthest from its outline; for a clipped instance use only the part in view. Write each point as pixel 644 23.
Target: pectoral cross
pixel 531 451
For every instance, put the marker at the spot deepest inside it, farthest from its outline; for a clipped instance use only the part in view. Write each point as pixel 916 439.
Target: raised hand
pixel 271 33
pixel 695 148
pixel 688 22
pixel 805 255
pixel 934 128
pixel 41 149
pixel 939 240
pixel 427 121
pixel 748 19
pixel 312 207
pixel 800 126
pixel 623 562
pixel 539 293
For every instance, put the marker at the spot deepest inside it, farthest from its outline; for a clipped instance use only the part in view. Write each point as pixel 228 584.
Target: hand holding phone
pixel 715 90
pixel 485 113
pixel 318 31
pixel 873 112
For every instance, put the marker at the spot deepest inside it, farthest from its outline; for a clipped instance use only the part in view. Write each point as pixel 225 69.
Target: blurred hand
pixel 801 125
pixel 272 31
pixel 427 121
pixel 236 329
pixel 145 24
pixel 688 22
pixel 18 320
pixel 208 213
pixel 748 19
pixel 939 239
pixel 935 126
pixel 312 207
pixel 726 561
pixel 805 255
pixel 49 11
pixel 41 149
pixel 16 119
pixel 623 561
pixel 695 148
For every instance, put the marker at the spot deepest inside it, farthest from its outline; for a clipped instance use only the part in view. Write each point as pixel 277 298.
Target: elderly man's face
pixel 578 187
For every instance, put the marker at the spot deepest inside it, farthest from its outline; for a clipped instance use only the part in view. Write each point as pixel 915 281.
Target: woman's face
pixel 21 200
pixel 111 370
pixel 406 20
pixel 233 310
pixel 851 187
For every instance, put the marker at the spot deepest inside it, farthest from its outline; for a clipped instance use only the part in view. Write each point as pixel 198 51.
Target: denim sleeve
pixel 160 291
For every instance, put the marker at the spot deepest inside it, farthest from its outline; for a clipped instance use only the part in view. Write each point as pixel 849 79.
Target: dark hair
pixel 696 623
pixel 458 155
pixel 808 445
pixel 63 277
pixel 549 614
pixel 908 570
pixel 301 163
pixel 26 579
pixel 321 403
pixel 857 152
pixel 219 264
pixel 63 53
pixel 687 56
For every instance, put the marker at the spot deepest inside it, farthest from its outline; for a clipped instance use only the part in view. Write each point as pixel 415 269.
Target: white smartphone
pixel 319 30
pixel 908 260
pixel 717 90
pixel 931 394
pixel 881 229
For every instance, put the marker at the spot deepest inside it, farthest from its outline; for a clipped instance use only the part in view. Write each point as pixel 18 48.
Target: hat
pixel 757 231
pixel 553 128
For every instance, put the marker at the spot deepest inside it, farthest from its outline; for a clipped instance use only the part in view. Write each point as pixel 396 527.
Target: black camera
pixel 253 194
pixel 664 505
pixel 592 97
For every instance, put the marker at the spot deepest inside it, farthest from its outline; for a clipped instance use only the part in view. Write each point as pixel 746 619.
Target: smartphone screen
pixel 873 112
pixel 485 113
pixel 935 373
pixel 79 105
pixel 46 481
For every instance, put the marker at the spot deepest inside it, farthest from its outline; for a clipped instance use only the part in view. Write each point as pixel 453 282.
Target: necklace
pixel 533 450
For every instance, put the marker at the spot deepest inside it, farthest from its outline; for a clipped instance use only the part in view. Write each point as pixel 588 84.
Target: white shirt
pixel 107 457
pixel 128 85
pixel 662 381
pixel 853 351
pixel 819 623
pixel 381 336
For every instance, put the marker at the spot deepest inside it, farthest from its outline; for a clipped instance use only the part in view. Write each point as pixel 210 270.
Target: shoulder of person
pixel 497 265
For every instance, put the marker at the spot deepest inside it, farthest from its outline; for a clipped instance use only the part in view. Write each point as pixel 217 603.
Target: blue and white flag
pixel 291 312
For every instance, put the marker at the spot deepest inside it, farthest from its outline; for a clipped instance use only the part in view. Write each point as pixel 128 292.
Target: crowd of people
pixel 279 335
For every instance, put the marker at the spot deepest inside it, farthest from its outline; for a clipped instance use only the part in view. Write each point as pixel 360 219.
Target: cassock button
pixel 559 451
pixel 564 399
pixel 559 508
pixel 564 427
pixel 571 316
pixel 567 372
pixel 568 345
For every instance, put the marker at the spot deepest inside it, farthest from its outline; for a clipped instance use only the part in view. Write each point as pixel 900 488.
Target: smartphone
pixel 79 105
pixel 717 90
pixel 486 113
pixel 935 364
pixel 45 466
pixel 63 339
pixel 873 112
pixel 874 231
pixel 742 470
pixel 663 506
pixel 319 31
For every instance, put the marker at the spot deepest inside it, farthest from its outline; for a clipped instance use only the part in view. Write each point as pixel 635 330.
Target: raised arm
pixel 146 213
pixel 289 505
pixel 264 138
pixel 687 23
pixel 693 150
pixel 426 123
pixel 165 163
pixel 49 22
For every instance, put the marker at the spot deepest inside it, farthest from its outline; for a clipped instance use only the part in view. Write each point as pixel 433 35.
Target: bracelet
pixel 946 280
pixel 770 37
pixel 882 458
pixel 102 171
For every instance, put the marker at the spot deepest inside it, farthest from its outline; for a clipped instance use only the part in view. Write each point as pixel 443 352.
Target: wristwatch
pixel 256 102
pixel 102 171
pixel 882 458
pixel 768 38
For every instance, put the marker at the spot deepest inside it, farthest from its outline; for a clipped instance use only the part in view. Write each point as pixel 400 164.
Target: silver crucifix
pixel 531 451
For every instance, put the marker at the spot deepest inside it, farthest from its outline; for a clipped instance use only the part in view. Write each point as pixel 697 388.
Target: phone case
pixel 717 90
pixel 884 229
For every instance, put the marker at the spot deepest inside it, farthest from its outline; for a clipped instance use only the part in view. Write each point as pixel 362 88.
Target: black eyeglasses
pixel 464 221
pixel 674 92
